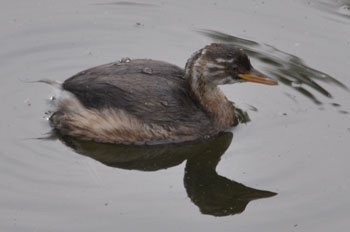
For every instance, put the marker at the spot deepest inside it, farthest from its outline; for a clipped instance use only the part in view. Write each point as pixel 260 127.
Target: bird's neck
pixel 210 96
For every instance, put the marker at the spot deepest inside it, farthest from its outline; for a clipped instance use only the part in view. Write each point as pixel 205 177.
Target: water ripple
pixel 288 69
pixel 338 8
pixel 127 3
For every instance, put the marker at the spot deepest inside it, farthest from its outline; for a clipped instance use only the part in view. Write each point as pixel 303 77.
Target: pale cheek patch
pixel 220 60
pixel 213 71
pixel 213 74
pixel 213 65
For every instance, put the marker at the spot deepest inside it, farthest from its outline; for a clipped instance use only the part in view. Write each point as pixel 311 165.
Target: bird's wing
pixel 153 91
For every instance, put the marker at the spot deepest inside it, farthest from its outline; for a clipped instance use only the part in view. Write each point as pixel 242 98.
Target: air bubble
pixel 125 60
pixel 282 114
pixel 27 102
pixel 147 70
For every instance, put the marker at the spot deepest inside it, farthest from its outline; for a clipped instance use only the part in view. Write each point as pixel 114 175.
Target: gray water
pixel 285 170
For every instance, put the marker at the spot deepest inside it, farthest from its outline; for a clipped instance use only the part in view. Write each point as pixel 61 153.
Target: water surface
pixel 296 144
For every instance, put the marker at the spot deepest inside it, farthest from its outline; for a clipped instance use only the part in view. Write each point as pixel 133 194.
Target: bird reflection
pixel 213 194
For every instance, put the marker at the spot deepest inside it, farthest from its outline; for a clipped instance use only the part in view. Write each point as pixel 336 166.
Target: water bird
pixel 143 100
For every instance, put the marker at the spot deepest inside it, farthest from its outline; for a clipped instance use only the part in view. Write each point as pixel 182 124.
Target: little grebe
pixel 145 100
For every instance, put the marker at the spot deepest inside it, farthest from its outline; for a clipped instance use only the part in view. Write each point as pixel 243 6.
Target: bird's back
pixel 153 92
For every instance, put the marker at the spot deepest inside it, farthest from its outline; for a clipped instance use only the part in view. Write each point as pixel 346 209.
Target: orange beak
pixel 258 77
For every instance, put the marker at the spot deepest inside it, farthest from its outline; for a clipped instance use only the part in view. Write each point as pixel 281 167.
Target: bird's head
pixel 218 64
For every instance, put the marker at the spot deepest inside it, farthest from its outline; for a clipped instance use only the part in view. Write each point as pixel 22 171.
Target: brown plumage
pixel 144 100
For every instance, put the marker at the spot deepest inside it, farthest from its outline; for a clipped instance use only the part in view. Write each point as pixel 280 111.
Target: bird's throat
pixel 209 95
pixel 214 102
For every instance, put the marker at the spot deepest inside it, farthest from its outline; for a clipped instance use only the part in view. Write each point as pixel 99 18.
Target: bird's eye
pixel 235 69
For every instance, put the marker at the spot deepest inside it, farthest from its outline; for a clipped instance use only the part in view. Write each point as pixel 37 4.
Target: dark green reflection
pixel 339 8
pixel 212 193
pixel 241 116
pixel 288 69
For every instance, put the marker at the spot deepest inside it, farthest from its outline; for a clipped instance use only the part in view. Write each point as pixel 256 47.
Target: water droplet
pixel 52 98
pixel 48 115
pixel 296 84
pixel 335 104
pixel 344 10
pixel 253 108
pixel 27 102
pixel 147 70
pixel 125 60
